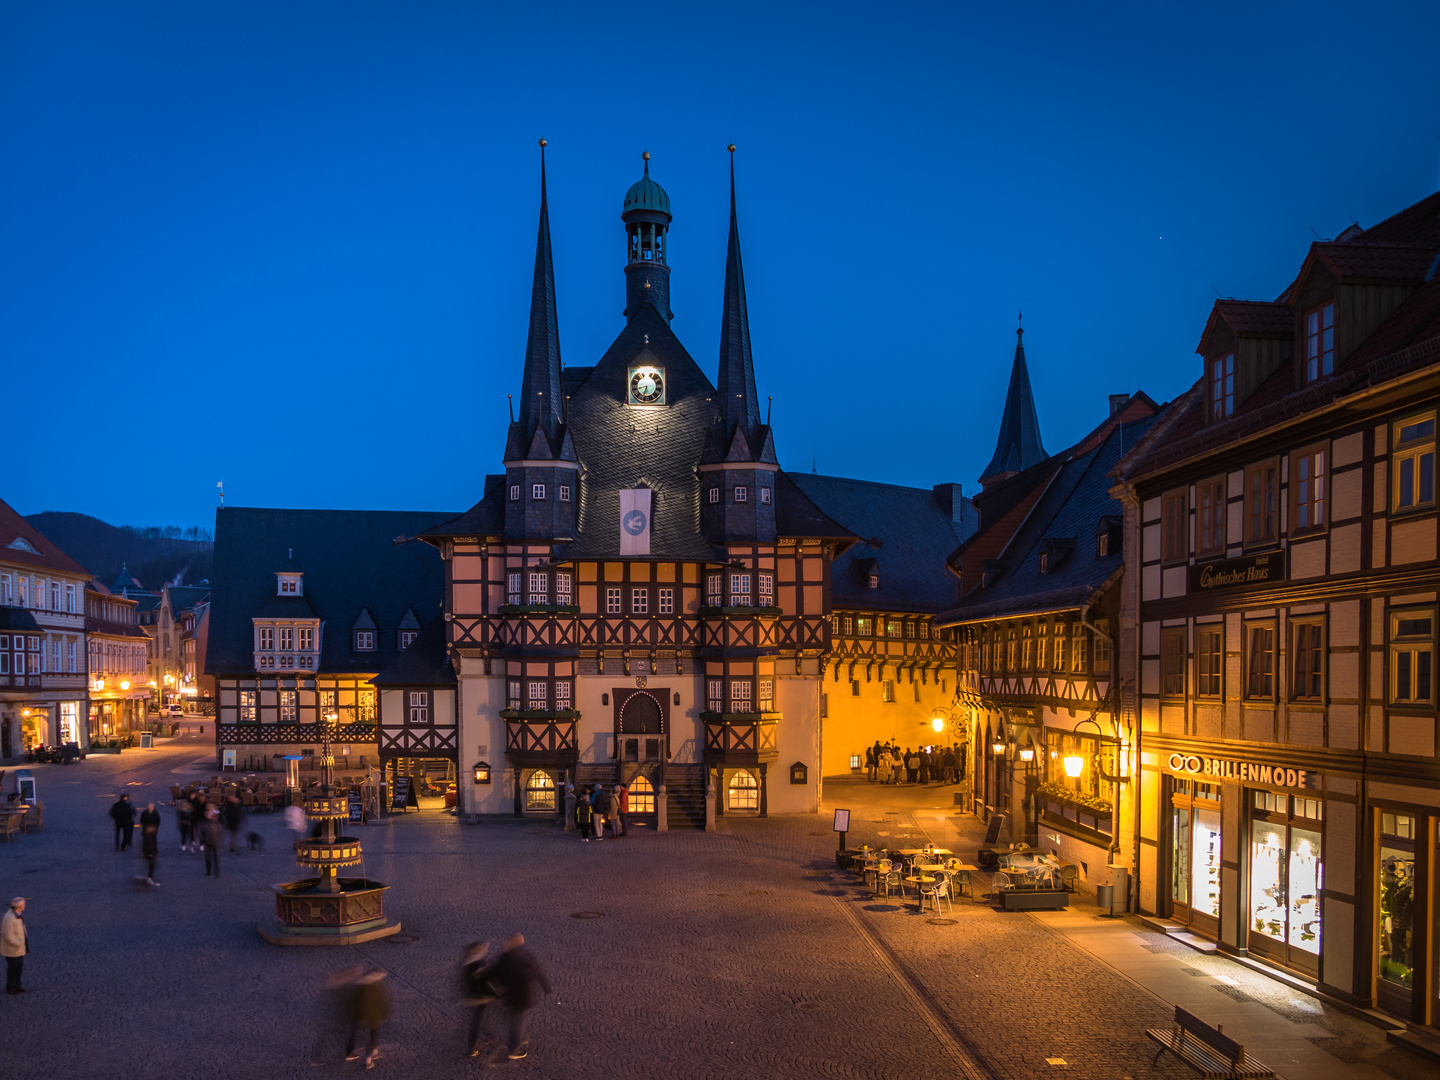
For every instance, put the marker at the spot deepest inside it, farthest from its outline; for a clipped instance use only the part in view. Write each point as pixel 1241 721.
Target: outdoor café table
pixel 1032 864
pixel 919 880
pixel 911 852
pixel 929 867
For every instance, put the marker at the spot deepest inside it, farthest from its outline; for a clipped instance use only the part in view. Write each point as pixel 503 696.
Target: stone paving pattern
pixel 725 954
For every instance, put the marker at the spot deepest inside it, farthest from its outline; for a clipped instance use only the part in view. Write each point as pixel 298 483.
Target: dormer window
pixel 364 640
pixel 1102 545
pixel 1044 562
pixel 1222 387
pixel 1320 342
pixel 874 581
pixel 288 584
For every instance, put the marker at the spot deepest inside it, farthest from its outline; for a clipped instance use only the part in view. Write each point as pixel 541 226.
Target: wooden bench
pixel 1206 1049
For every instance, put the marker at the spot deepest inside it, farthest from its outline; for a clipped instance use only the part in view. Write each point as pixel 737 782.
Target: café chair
pixel 936 890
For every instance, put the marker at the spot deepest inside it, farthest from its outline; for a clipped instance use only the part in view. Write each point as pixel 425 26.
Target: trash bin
pixel 1105 898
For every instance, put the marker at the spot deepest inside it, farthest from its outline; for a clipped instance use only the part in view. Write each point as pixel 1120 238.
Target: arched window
pixel 744 791
pixel 540 792
pixel 642 796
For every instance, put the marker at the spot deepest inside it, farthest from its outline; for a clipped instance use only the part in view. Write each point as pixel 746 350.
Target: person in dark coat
pixel 369 1007
pixel 232 815
pixel 123 815
pixel 924 766
pixel 517 973
pixel 212 835
pixel 947 762
pixel 598 804
pixel 150 840
pixel 583 815
pixel 182 819
pixel 197 820
pixel 477 989
pixel 871 757
pixel 612 811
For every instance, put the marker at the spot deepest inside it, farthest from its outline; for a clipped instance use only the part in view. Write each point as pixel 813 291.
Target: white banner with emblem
pixel 634 521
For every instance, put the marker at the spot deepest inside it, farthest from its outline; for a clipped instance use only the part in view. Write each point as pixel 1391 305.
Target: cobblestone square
pixel 737 953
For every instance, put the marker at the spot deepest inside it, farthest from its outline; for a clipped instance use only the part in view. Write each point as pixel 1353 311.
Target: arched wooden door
pixel 641 729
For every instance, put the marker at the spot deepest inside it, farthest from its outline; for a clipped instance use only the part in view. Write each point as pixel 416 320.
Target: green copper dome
pixel 646 194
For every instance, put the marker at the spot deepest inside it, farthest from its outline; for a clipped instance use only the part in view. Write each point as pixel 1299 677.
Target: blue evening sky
pixel 288 245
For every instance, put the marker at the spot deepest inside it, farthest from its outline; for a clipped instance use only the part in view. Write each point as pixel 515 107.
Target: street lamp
pixel 1074 765
pixel 1027 755
pixel 938 723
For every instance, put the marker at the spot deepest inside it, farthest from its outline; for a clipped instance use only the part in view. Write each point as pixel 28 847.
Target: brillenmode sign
pixel 1248 572
pixel 1241 772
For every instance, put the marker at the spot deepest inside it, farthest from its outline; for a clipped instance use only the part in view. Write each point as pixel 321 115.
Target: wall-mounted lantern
pixel 799 772
pixel 482 772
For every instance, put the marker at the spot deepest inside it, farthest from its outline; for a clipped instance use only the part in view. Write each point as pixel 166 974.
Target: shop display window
pixel 1195 847
pixel 1180 860
pixel 1286 871
pixel 1205 865
pixel 1396 910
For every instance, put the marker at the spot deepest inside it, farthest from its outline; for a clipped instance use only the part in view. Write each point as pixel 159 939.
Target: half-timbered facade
pixel 118 651
pixel 42 640
pixel 889 676
pixel 309 607
pixel 1284 562
pixel 1035 632
pixel 644 595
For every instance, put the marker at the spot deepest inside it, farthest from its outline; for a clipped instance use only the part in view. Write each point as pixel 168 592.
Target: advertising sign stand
pixel 842 826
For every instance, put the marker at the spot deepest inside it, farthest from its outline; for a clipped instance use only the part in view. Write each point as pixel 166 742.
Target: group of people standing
pixel 885 763
pixel 202 824
pixel 595 808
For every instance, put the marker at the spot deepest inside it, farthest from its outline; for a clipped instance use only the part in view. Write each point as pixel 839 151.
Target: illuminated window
pixel 744 791
pixel 1042 647
pixel 540 792
pixel 849 625
pixel 887 690
pixel 766 695
pixel 642 796
pixel 287 706
pixel 247 707
pixel 1077 650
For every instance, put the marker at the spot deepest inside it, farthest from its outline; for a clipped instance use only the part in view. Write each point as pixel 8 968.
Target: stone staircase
pixel 685 790
pixel 605 772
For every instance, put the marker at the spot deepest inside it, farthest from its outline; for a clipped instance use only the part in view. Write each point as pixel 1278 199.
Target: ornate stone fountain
pixel 329 909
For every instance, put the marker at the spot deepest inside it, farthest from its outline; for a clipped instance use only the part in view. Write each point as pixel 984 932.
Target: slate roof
pixel 1017 447
pixel 47 554
pixel 18 618
pixel 425 663
pixel 1070 510
pixel 350 563
pixel 185 597
pixel 903 532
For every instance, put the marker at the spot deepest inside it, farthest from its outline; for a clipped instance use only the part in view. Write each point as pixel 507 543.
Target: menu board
pixel 357 811
pixel 401 794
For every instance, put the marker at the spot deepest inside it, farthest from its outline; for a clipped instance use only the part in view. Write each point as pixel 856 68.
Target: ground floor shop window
pixel 744 791
pixel 540 792
pixel 1195 849
pixel 69 722
pixel 1286 875
pixel 1396 910
pixel 642 796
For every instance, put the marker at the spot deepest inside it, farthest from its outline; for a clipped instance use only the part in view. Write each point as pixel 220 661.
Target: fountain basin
pixel 307 915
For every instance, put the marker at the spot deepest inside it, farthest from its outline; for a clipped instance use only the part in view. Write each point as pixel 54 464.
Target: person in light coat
pixel 14 944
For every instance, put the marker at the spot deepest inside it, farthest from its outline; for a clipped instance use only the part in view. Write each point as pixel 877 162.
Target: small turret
pixel 1018 445
pixel 646 214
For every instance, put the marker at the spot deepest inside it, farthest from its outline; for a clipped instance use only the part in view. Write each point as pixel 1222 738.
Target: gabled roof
pixel 185 597
pixel 351 564
pixel 1254 318
pixel 904 532
pixel 425 663
pixel 1063 522
pixel 23 544
pixel 658 448
pixel 485 518
pixel 1018 446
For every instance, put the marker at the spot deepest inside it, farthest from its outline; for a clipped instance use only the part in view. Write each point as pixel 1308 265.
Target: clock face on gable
pixel 647 386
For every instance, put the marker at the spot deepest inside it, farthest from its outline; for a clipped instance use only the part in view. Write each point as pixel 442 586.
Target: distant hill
pixel 151 556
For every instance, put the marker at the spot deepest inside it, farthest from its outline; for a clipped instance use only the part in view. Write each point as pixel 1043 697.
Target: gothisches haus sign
pixel 1246 573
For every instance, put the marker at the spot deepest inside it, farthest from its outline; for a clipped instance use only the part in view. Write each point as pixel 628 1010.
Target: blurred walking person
pixel 123 814
pixel 476 990
pixel 516 973
pixel 150 840
pixel 212 835
pixel 182 819
pixel 332 1019
pixel 369 1008
pixel 231 814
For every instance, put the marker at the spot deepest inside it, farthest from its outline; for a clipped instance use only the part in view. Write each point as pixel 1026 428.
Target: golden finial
pixel 732 148
pixel 646 155
pixel 543 144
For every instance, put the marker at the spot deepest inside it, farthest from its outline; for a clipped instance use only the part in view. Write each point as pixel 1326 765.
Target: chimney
pixel 1117 402
pixel 952 499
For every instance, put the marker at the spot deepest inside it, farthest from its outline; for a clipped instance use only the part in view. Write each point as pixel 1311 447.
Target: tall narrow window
pixel 1025 649
pixel 512 693
pixel 287 706
pixel 1077 650
pixel 740 590
pixel 766 695
pixel 1414 463
pixel 740 695
pixel 1210 517
pixel 640 601
pixel 514 592
pixel 612 601
pixel 1307 490
pixel 287 638
pixel 1261 487
pixel 419 707
pixel 1102 647
pixel 715 695
pixel 307 638
pixel 563 695
pixel 767 590
pixel 1174 511
pixel 538 697
pixel 267 639
pixel 247 707
pixel 1172 662
pixel 563 594
pixel 713 585
pixel 665 601
pixel 1222 387
pixel 1412 656
pixel 1208 656
pixel 1059 646
pixel 1042 648
pixel 1307 653
pixel 1320 342
pixel 1260 665
pixel 564 495
pixel 539 590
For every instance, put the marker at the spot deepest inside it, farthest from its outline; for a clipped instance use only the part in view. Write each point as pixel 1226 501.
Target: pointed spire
pixel 541 387
pixel 1018 445
pixel 737 371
